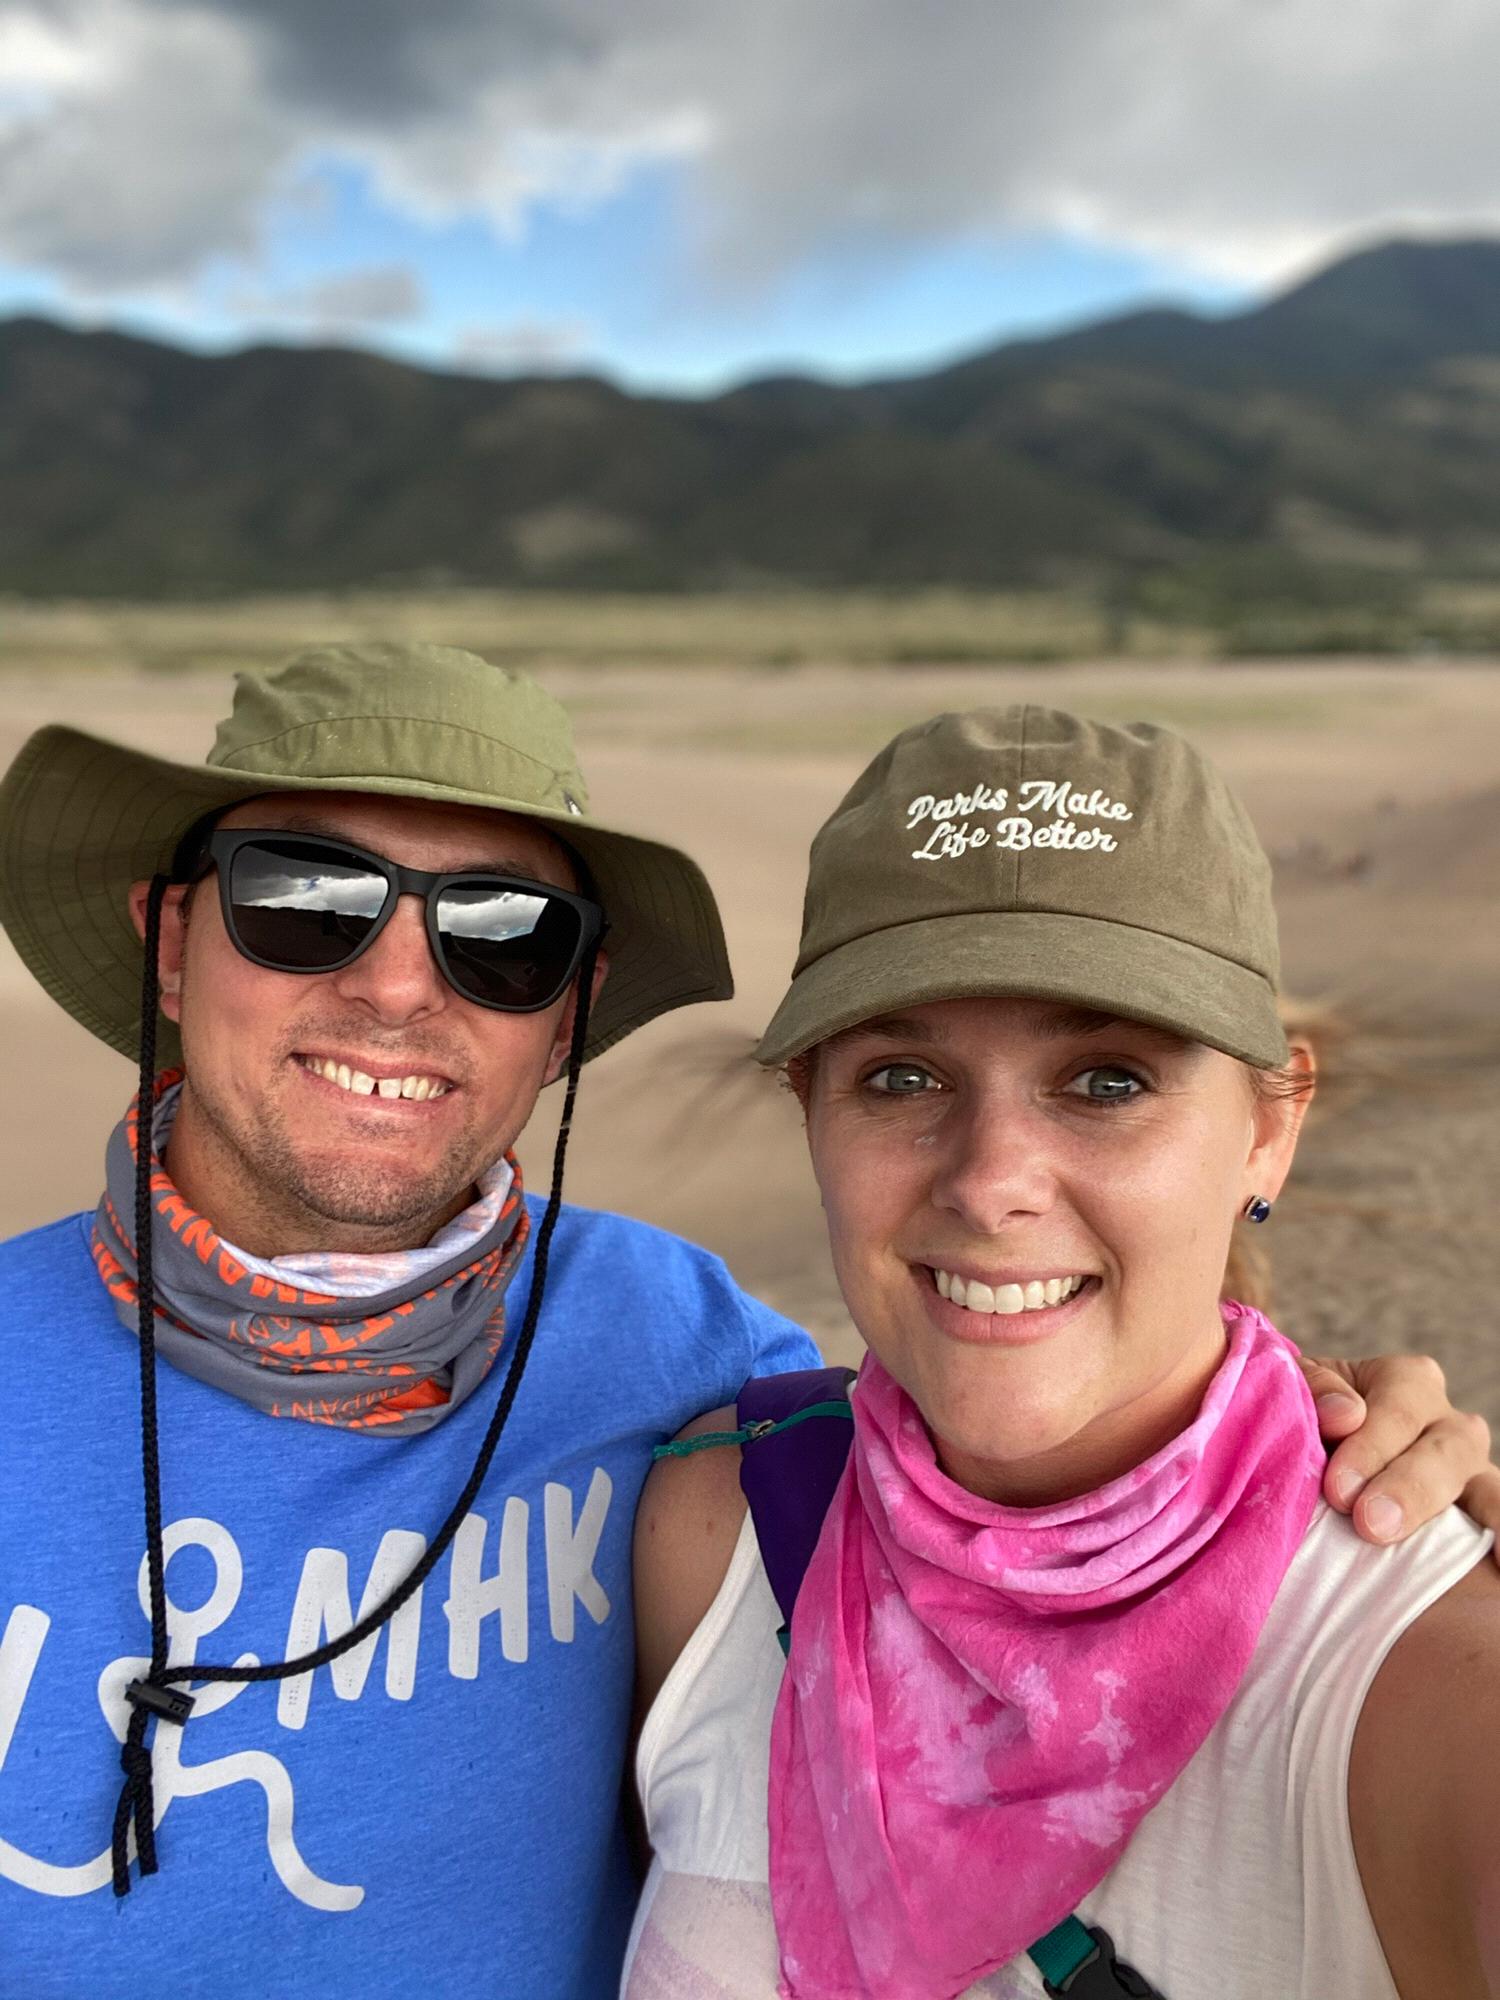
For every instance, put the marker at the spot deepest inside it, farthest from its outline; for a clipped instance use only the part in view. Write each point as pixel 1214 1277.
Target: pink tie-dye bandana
pixel 982 1701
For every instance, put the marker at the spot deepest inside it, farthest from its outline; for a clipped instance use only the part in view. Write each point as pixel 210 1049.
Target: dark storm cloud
pixel 395 61
pixel 139 137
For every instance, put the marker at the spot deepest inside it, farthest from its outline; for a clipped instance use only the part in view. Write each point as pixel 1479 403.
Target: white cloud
pixel 369 295
pixel 139 138
pixel 154 147
pixel 523 346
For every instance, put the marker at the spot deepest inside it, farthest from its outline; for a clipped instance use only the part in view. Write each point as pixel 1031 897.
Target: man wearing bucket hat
pixel 369 1690
pixel 1077 1658
pixel 367 1676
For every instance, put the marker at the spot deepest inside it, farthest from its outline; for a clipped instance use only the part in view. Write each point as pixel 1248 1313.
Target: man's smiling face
pixel 278 1152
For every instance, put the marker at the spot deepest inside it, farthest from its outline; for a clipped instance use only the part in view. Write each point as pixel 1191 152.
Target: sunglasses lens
pixel 507 947
pixel 298 906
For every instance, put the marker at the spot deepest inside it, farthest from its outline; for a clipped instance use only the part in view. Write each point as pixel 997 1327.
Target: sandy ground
pixel 1377 788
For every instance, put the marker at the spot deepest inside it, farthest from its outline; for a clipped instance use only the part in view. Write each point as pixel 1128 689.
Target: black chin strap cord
pixel 136 1802
pixel 159 1692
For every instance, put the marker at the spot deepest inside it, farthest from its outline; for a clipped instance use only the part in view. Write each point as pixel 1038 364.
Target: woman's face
pixel 1078 1177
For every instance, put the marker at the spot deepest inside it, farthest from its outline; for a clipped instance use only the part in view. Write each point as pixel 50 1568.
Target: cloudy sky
pixel 685 192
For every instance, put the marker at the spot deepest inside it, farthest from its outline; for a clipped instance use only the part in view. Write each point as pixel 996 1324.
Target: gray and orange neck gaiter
pixel 364 1343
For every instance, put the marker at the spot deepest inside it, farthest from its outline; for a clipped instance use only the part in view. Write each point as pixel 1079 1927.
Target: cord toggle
pixel 171 1704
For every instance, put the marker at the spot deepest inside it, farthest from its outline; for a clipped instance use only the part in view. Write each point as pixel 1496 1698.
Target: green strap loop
pixel 680 1447
pixel 1058 1955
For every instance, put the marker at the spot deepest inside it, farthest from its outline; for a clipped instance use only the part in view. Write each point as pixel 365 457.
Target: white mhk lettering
pixel 473 1596
pixel 571 1552
pixel 322 1608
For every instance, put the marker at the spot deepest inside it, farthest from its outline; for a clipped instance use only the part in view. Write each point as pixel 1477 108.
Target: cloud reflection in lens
pixel 491 915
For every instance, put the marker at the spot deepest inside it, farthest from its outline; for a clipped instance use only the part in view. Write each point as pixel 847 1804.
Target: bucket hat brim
pixel 81 819
pixel 1118 969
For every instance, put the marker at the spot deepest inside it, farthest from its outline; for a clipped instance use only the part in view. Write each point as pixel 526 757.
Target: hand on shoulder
pixel 1399 1452
pixel 689 1520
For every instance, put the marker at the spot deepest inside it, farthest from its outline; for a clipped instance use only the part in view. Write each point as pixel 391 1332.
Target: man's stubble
pixel 292 1186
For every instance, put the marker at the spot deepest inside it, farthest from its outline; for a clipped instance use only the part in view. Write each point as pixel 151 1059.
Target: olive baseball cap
pixel 81 819
pixel 1025 852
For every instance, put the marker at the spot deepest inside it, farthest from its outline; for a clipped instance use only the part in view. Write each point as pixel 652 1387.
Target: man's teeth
pixel 1031 1297
pixel 418 1088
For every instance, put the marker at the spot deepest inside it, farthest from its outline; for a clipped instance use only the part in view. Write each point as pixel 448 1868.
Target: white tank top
pixel 1239 1884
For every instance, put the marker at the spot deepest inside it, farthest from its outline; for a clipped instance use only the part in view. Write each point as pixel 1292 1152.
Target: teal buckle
pixel 1079 1960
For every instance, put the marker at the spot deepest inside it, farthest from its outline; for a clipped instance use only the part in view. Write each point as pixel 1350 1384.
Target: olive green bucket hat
pixel 81 819
pixel 1024 852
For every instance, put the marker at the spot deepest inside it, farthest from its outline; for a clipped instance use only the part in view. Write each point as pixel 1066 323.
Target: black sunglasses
pixel 301 903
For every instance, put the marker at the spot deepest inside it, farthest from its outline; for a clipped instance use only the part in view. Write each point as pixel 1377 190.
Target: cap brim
pixel 81 819
pixel 1034 955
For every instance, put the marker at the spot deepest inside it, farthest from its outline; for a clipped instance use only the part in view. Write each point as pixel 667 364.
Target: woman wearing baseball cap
pixel 1087 1691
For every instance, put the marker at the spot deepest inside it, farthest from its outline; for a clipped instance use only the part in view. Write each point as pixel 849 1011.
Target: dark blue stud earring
pixel 1256 1209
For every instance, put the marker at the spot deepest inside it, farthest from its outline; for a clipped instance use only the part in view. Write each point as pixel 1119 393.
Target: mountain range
pixel 1347 429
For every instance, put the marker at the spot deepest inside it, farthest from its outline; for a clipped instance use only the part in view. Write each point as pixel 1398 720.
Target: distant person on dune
pixel 314 1613
pixel 1087 1690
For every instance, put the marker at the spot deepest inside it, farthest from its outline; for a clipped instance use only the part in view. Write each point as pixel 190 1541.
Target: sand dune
pixel 1377 788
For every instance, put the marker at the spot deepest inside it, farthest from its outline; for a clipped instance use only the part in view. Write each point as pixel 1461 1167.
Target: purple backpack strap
pixel 799 1433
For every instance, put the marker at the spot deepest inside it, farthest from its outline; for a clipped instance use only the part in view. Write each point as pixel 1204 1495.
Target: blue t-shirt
pixel 436 1814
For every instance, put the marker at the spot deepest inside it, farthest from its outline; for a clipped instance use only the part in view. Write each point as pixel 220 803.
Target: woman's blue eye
pixel 899 1080
pixel 1108 1084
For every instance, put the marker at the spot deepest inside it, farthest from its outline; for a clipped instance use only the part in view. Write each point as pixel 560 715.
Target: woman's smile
pixel 1005 1312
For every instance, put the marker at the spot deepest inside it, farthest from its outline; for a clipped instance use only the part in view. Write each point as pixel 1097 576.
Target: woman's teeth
pixel 418 1088
pixel 1031 1297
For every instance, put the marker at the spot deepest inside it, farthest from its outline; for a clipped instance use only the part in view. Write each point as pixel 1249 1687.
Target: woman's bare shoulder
pixel 1424 1796
pixel 689 1520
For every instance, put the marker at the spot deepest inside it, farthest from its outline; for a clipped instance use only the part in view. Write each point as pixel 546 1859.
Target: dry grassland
pixel 1376 787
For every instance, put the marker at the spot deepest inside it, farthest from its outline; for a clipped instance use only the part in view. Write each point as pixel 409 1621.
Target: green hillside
pixel 1332 448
